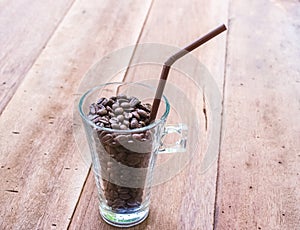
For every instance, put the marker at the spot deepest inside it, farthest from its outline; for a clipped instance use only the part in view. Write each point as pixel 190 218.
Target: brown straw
pixel 174 58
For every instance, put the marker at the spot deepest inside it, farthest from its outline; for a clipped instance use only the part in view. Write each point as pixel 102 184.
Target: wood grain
pixel 43 169
pixel 25 28
pixel 258 186
pixel 187 200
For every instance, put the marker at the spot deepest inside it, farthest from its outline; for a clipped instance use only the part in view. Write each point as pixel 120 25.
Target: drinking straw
pixel 174 58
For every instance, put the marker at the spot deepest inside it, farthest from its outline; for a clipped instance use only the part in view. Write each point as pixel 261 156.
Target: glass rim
pixel 145 128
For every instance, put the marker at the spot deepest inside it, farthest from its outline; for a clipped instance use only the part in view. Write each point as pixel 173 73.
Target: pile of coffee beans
pixel 120 112
pixel 120 152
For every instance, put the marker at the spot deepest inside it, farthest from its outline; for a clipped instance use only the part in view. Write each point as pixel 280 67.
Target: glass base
pixel 125 219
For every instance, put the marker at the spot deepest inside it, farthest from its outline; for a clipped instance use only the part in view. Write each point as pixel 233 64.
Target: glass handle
pixel 180 144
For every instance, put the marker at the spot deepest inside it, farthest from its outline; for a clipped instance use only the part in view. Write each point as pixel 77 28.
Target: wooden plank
pixel 25 28
pixel 43 169
pixel 186 201
pixel 258 184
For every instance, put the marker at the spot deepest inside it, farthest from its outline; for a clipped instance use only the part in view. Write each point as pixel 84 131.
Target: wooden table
pixel 47 46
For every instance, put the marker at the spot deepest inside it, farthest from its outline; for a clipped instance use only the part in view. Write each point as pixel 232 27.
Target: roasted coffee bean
pixel 102 112
pixel 120 118
pixel 107 138
pixel 100 124
pixel 134 124
pixel 128 110
pixel 132 203
pixel 137 136
pixel 109 109
pixel 104 121
pixel 119 204
pixel 142 113
pixel 124 196
pixel 114 120
pixel 119 111
pixel 96 119
pixel 104 102
pixel 140 106
pixel 122 100
pixel 110 102
pixel 99 102
pixel 92 109
pixel 123 127
pixel 127 116
pixel 111 114
pixel 134 101
pixel 126 122
pixel 115 106
pixel 125 105
pixel 142 123
pixel 136 115
pixel 115 126
pixel 92 116
pixel 123 190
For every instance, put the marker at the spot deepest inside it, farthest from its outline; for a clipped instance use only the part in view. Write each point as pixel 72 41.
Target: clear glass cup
pixel 123 160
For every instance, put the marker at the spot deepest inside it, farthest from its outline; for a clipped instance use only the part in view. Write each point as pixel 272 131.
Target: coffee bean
pixel 135 114
pixel 102 112
pixel 92 116
pixel 140 106
pixel 137 136
pixel 96 119
pixel 123 127
pixel 115 126
pixel 115 106
pixel 114 120
pixel 132 203
pixel 110 102
pixel 142 113
pixel 124 196
pixel 122 100
pixel 123 190
pixel 127 116
pixel 129 110
pixel 120 118
pixel 119 111
pixel 107 138
pixel 92 109
pixel 134 124
pixel 104 102
pixel 109 109
pixel 126 122
pixel 111 114
pixel 118 201
pixel 104 121
pixel 125 105
pixel 134 101
pixel 99 102
pixel 142 123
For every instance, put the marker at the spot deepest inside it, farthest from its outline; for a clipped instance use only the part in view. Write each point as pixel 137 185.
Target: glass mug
pixel 123 160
